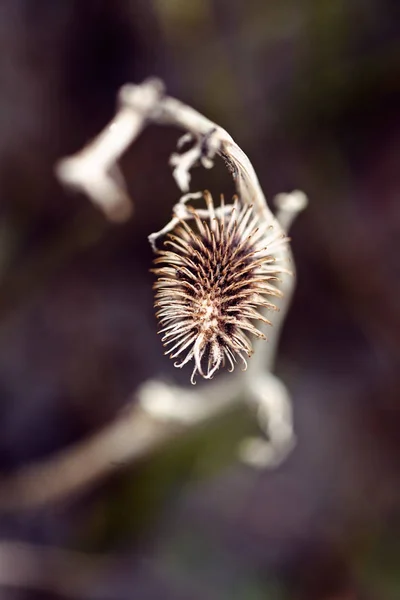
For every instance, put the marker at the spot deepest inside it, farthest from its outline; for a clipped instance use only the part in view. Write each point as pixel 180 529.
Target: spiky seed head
pixel 213 277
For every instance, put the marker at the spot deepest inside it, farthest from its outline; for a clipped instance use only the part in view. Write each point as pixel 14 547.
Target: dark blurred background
pixel 311 90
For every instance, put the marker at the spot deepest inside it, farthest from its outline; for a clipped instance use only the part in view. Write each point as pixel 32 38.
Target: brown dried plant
pixel 213 279
pixel 217 277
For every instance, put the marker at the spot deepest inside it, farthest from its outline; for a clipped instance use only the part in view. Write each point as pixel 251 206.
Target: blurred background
pixel 310 89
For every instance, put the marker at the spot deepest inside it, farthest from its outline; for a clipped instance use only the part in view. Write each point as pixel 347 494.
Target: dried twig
pixel 94 169
pixel 163 409
pixel 91 169
pixel 133 435
pixel 50 569
pixel 209 140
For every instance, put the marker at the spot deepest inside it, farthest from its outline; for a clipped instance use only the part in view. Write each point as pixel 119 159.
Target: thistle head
pixel 215 277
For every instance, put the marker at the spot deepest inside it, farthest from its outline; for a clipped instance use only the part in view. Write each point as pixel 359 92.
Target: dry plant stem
pixel 163 409
pixel 135 434
pixel 288 207
pixel 218 141
pixel 258 385
pixel 49 569
pixel 93 170
pixel 90 169
pixel 266 391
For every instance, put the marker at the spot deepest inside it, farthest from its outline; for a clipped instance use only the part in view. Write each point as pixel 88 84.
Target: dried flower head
pixel 214 276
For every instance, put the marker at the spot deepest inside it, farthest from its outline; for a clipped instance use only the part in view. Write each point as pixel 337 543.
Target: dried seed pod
pixel 213 280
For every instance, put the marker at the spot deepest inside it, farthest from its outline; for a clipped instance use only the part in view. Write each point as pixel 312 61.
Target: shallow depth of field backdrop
pixel 310 89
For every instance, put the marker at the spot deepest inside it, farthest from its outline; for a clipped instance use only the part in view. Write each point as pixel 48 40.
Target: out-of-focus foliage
pixel 311 90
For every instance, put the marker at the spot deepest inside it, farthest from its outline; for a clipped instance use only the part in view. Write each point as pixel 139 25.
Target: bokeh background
pixel 311 90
